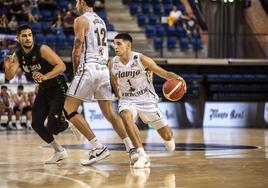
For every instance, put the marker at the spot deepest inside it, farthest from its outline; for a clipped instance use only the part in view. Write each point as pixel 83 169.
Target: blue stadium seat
pixel 184 43
pixel 63 4
pixel 180 31
pixel 145 9
pixel 46 27
pixel 142 19
pixel 167 9
pixel 181 7
pixel 103 15
pixel 171 31
pixel 133 8
pixel 157 9
pixel 149 31
pixel 61 40
pixel 36 27
pixel 110 27
pixel 158 43
pixel 171 42
pixel 51 40
pixel 197 43
pixel 70 39
pixel 46 15
pixel 159 31
pixel 39 38
pixel 153 19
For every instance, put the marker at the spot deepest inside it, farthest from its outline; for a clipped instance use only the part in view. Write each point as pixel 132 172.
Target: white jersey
pixel 95 47
pixel 135 83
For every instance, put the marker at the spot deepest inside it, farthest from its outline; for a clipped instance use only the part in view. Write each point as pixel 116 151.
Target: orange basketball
pixel 173 89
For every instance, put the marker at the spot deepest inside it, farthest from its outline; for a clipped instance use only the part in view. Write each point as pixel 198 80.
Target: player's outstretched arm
pixel 151 65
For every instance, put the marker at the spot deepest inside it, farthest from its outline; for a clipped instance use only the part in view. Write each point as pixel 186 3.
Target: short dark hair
pixel 90 3
pixel 20 87
pixel 3 87
pixel 124 36
pixel 23 27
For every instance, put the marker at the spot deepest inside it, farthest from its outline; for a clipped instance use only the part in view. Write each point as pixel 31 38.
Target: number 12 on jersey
pixel 101 36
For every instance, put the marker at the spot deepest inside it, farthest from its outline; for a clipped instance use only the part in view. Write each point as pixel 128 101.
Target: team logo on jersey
pixel 26 68
pixel 101 51
pixel 23 62
pixel 134 64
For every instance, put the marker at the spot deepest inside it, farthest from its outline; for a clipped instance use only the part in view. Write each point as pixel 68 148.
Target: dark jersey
pixel 32 62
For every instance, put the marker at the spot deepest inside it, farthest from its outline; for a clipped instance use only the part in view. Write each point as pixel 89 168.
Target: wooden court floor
pixel 222 157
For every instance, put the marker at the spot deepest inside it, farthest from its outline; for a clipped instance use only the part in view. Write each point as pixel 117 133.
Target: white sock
pixel 56 146
pixel 128 143
pixel 95 143
pixel 141 151
pixel 17 122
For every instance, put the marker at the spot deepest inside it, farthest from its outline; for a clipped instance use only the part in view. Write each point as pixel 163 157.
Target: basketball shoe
pixel 96 155
pixel 142 162
pixel 170 145
pixel 133 156
pixel 57 157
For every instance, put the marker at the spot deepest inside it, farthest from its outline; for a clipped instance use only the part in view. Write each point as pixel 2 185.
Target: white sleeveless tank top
pixel 95 47
pixel 134 81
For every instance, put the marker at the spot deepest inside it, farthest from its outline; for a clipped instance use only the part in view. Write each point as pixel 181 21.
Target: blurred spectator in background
pixel 19 78
pixel 27 8
pixel 68 21
pixel 174 16
pixel 20 105
pixel 3 23
pixel 191 26
pixel 6 106
pixel 16 10
pixel 29 104
pixel 57 24
pixel 99 5
pixel 13 24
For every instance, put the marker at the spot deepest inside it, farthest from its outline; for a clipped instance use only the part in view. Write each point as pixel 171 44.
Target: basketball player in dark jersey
pixel 43 65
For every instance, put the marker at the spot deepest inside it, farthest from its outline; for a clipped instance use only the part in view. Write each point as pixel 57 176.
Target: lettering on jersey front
pixel 36 67
pixel 136 94
pixel 126 74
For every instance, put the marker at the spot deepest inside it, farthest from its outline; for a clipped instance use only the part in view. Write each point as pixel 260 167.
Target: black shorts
pixel 23 111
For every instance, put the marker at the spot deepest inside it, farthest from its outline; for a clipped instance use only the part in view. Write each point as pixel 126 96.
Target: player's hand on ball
pixel 183 83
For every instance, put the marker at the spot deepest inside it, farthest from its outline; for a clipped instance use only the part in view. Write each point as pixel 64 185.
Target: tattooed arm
pixel 81 26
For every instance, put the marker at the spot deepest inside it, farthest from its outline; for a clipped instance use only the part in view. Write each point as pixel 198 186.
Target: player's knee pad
pixel 69 116
pixel 56 124
pixel 158 124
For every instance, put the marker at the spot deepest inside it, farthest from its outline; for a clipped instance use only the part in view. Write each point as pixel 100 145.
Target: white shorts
pixel 91 81
pixel 148 113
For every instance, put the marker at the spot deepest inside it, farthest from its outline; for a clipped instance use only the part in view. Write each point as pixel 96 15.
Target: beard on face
pixel 27 47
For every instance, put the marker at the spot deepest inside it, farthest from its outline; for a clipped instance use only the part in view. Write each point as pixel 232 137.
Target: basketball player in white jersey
pixel 131 74
pixel 92 79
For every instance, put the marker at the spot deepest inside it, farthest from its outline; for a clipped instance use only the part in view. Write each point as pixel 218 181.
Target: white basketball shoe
pixel 133 156
pixel 142 162
pixel 170 145
pixel 57 157
pixel 96 155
